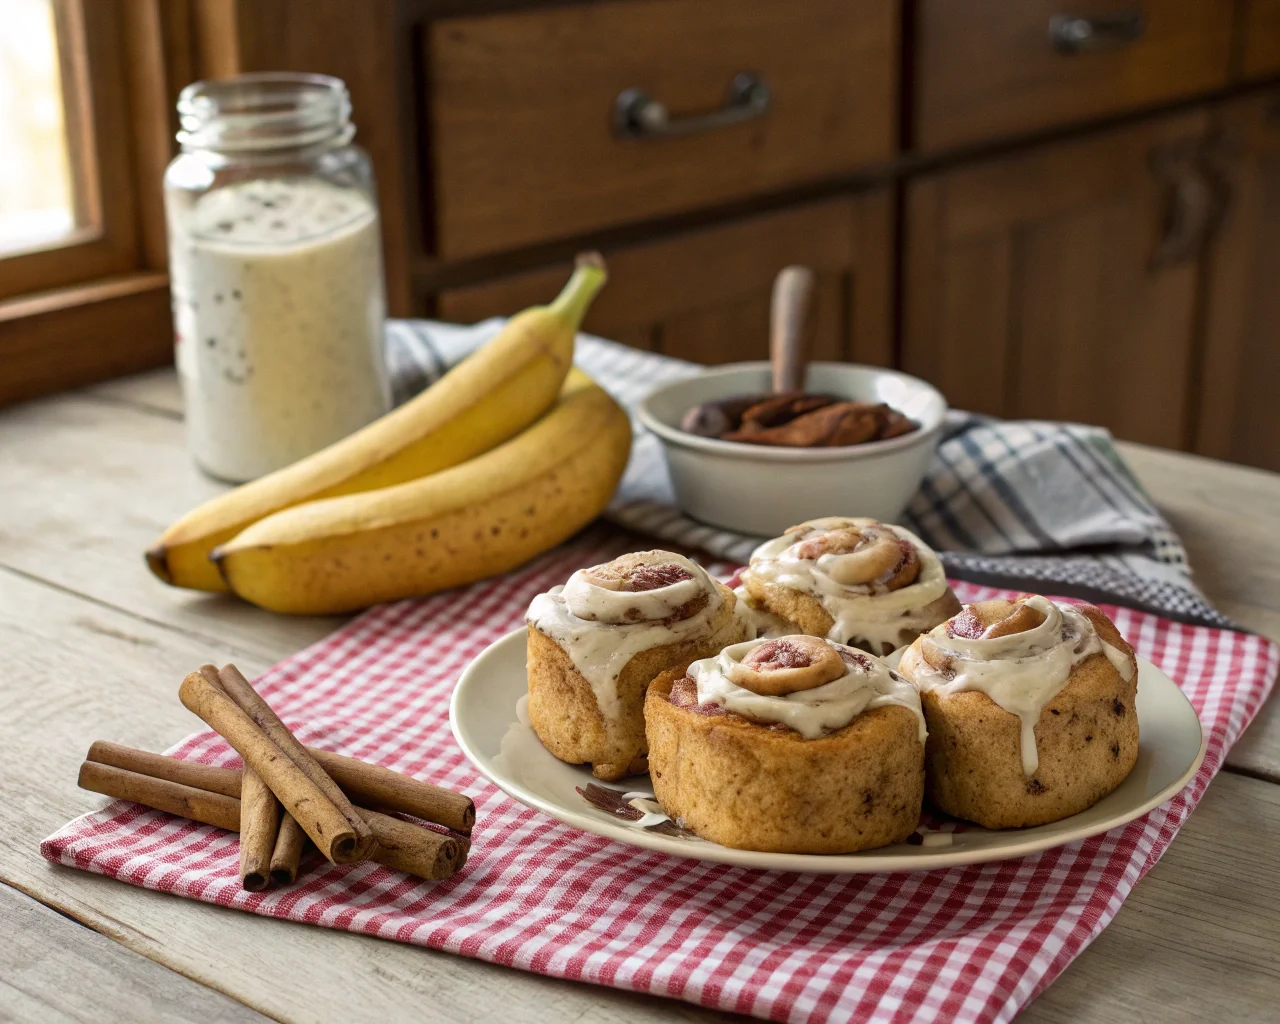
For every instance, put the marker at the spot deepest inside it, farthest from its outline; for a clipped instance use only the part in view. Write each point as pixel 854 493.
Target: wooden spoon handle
pixel 789 324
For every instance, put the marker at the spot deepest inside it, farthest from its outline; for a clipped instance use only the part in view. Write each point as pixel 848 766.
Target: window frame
pixel 95 304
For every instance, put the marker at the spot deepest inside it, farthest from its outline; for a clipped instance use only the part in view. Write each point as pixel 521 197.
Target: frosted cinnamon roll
pixel 856 581
pixel 1031 710
pixel 795 745
pixel 596 644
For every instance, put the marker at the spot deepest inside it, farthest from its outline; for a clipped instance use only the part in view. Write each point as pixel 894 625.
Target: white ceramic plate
pixel 483 713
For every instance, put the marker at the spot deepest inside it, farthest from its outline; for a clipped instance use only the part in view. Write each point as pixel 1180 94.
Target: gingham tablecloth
pixel 972 943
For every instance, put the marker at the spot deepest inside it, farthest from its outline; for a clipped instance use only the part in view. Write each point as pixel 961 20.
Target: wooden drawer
pixel 1259 33
pixel 988 68
pixel 524 144
pixel 704 295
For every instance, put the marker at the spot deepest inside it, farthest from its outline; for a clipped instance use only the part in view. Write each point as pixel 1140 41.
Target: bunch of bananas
pixel 509 453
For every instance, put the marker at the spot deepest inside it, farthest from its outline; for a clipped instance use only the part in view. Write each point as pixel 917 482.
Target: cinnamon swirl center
pixel 788 665
pixel 646 586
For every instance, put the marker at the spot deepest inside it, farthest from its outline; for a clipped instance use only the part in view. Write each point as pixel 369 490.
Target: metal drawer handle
pixel 636 115
pixel 1088 33
pixel 1195 203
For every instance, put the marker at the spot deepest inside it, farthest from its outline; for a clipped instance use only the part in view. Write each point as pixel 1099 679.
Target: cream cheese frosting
pixel 866 683
pixel 863 612
pixel 601 626
pixel 1021 672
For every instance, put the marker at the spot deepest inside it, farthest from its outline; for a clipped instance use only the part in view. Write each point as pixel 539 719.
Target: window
pixel 86 91
pixel 37 197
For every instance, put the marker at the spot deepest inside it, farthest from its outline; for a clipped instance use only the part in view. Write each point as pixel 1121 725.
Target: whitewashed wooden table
pixel 94 647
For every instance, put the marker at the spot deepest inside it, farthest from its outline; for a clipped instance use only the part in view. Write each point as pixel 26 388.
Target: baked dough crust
pixel 755 787
pixel 563 708
pixel 1086 742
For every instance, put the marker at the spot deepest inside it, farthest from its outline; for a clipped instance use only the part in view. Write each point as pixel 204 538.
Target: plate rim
pixel 865 862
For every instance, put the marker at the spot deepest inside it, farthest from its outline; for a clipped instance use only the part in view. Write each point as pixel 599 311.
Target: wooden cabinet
pixel 986 68
pixel 1042 284
pixel 1258 30
pixel 525 144
pixel 1239 398
pixel 704 295
pixel 1115 265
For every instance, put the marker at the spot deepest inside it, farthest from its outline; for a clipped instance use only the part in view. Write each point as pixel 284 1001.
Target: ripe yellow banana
pixel 483 401
pixel 462 524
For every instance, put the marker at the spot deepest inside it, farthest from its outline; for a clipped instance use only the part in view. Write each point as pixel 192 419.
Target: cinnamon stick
pixel 371 785
pixel 160 766
pixel 324 822
pixel 184 801
pixel 397 844
pixel 374 785
pixel 238 688
pixel 288 851
pixel 259 827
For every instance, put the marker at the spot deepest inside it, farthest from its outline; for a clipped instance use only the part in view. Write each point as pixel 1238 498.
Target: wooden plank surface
pixel 88 485
pixel 52 969
pixel 76 672
pixel 96 649
pixel 1226 515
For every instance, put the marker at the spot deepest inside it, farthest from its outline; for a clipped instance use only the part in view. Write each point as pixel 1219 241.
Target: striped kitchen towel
pixel 1029 505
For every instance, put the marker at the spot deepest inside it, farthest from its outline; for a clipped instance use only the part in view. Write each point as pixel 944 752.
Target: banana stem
pixel 588 278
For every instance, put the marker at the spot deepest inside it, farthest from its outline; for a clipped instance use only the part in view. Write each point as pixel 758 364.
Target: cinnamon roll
pixel 596 643
pixel 1031 710
pixel 792 745
pixel 856 581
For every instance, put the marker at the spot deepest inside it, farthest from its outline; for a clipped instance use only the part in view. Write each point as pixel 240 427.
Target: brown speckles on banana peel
pixel 331 556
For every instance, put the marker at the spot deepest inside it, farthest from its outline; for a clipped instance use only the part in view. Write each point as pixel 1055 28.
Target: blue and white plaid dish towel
pixel 1022 504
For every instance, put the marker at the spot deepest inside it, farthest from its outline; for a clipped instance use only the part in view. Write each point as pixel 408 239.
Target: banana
pixel 462 524
pixel 483 401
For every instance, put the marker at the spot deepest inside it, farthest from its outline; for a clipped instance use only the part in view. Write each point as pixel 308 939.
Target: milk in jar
pixel 276 278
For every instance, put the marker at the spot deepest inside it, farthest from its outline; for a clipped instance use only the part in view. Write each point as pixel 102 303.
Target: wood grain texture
pixel 76 671
pixel 87 486
pixel 704 295
pixel 1176 953
pixel 52 969
pixel 1185 946
pixel 1258 38
pixel 1239 418
pixel 1030 291
pixel 366 46
pixel 985 68
pixel 1196 927
pixel 550 77
pixel 97 115
pixel 1225 516
pixel 74 336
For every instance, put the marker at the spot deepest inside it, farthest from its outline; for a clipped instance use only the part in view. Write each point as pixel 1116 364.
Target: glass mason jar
pixel 276 272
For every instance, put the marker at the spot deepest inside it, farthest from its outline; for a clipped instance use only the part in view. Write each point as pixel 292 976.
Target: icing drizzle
pixel 601 626
pixel 1020 672
pixel 863 612
pixel 867 683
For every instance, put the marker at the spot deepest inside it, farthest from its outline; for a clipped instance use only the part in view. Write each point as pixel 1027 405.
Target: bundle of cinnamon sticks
pixel 287 793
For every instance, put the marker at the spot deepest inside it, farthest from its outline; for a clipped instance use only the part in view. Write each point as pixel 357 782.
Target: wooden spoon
pixel 789 337
pixel 790 327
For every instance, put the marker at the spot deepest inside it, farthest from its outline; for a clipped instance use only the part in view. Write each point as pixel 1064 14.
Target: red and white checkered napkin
pixel 973 943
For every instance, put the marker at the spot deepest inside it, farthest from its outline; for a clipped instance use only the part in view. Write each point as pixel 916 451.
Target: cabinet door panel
pixel 1258 45
pixel 704 295
pixel 1030 287
pixel 1239 409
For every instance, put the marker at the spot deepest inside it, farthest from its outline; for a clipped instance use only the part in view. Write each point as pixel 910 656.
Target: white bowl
pixel 762 490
